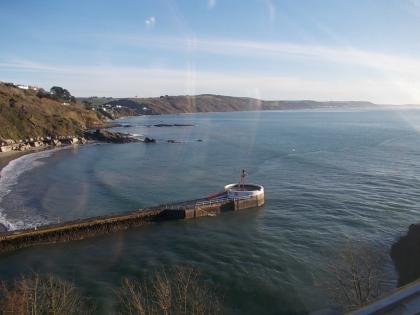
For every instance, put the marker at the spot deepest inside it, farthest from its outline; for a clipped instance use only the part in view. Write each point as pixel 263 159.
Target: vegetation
pixel 37 295
pixel 179 291
pixel 58 92
pixel 28 113
pixel 356 278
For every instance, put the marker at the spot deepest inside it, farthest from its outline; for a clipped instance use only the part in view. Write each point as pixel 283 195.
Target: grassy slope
pixel 32 116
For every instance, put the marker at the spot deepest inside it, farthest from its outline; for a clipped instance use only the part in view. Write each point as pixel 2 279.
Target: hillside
pixel 28 113
pixel 210 103
pixel 23 115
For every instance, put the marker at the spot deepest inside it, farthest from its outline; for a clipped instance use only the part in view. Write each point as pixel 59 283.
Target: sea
pixel 332 177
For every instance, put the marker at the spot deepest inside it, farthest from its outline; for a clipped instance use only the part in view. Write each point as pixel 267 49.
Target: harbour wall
pixel 85 228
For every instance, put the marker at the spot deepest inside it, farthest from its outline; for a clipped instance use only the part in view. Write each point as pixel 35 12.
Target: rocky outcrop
pixel 101 135
pixel 149 140
pixel 8 145
pixel 115 125
pixel 171 125
pixel 406 255
pixel 110 137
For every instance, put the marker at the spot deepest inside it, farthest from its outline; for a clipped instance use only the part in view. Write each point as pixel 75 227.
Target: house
pixel 27 87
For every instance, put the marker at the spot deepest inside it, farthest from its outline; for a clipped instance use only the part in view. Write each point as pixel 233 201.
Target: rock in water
pixel 173 125
pixel 149 140
pixel 111 137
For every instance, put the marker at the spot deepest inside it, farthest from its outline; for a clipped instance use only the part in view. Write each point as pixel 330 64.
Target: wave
pixel 9 176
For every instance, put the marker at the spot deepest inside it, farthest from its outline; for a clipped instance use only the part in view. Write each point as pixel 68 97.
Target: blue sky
pixel 285 49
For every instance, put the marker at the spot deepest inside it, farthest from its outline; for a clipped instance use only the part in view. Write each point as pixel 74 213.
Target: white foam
pixel 9 176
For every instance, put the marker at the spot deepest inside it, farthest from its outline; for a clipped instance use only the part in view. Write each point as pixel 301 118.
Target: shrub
pixel 42 93
pixel 179 291
pixel 58 92
pixel 38 295
pixel 356 277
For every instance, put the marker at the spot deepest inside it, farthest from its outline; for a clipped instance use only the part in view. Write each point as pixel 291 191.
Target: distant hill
pixel 23 115
pixel 26 112
pixel 212 103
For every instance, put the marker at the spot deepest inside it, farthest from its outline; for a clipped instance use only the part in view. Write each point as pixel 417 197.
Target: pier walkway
pixel 84 228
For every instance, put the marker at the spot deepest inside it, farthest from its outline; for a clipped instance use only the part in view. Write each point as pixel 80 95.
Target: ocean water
pixel 331 177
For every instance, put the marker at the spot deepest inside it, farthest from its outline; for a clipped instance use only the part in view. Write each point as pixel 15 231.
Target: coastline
pixel 97 137
pixel 7 157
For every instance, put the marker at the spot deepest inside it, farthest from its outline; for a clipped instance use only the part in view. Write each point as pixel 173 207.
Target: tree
pixel 179 291
pixel 41 295
pixel 60 93
pixel 356 277
pixel 42 93
pixel 87 103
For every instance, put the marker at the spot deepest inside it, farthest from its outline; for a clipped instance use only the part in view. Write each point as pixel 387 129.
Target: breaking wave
pixel 9 176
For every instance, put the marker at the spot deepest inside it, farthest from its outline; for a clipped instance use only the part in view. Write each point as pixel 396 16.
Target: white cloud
pixel 101 80
pixel 277 50
pixel 150 22
pixel 211 4
pixel 374 76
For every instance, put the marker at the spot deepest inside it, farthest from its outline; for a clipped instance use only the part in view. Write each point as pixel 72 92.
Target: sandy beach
pixel 6 157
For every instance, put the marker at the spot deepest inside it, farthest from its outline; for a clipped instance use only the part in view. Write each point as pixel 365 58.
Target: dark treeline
pixel 180 290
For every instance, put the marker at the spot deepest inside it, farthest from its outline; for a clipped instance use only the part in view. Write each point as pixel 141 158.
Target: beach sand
pixel 6 157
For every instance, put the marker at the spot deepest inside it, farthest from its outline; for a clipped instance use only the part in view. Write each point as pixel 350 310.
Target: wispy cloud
pixel 150 22
pixel 277 50
pixel 376 76
pixel 128 81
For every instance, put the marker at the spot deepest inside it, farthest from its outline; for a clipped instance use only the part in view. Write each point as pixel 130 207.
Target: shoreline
pixel 98 137
pixel 7 157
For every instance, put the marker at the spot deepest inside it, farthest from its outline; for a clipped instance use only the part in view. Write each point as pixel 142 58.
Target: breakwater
pixel 84 228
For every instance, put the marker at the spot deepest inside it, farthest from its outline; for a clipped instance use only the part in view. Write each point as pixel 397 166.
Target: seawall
pixel 84 228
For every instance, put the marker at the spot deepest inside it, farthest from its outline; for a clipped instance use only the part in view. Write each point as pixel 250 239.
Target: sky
pixel 287 49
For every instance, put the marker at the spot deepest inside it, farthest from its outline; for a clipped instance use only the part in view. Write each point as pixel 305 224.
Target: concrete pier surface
pixel 84 228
